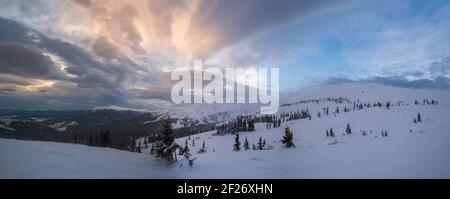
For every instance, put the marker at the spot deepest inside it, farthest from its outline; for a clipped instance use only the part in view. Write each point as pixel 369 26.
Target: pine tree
pixel 167 147
pixel 168 138
pixel 203 149
pixel 237 143
pixel 288 138
pixel 419 119
pixel 139 147
pixel 331 132
pixel 145 143
pixel 348 130
pixel 185 150
pixel 260 145
pixel 246 144
pixel 133 144
pixel 415 121
pixel 328 134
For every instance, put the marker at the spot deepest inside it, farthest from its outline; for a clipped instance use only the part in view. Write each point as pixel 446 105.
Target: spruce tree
pixel 133 144
pixel 419 119
pixel 167 146
pixel 203 149
pixel 246 144
pixel 260 144
pixel 331 132
pixel 168 138
pixel 237 143
pixel 139 147
pixel 348 130
pixel 288 138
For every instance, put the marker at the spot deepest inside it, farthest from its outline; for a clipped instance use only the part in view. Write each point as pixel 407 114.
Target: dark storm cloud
pixel 99 74
pixel 18 59
pixel 22 49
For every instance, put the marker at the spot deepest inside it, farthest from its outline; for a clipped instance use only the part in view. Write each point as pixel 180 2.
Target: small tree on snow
pixel 384 133
pixel 237 143
pixel 288 138
pixel 203 149
pixel 260 144
pixel 246 144
pixel 331 132
pixel 145 143
pixel 139 146
pixel 419 119
pixel 348 130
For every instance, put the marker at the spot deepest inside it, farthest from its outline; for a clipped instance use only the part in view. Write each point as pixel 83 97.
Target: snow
pixel 410 150
pixel 34 159
pixel 62 126
pixel 3 126
pixel 8 119
pixel 118 108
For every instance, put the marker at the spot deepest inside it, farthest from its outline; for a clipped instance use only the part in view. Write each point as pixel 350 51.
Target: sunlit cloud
pixel 87 53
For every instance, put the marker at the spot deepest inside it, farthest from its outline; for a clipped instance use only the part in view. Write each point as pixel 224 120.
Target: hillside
pixel 411 150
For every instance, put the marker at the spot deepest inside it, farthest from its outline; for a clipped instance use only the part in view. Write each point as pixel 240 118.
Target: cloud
pixel 214 27
pixel 18 59
pixel 32 63
pixel 402 43
pixel 441 83
pixel 87 53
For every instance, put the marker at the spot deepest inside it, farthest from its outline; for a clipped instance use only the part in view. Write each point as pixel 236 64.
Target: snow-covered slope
pixel 411 150
pixel 368 92
pixel 34 159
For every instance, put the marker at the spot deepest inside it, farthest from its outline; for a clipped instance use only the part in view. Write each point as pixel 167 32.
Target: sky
pixel 80 54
